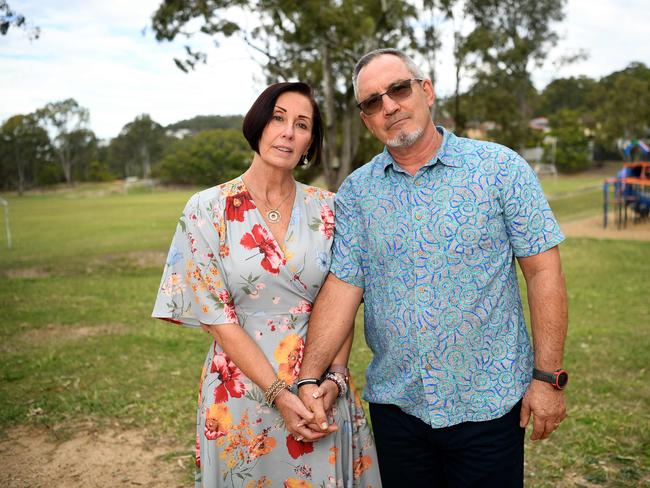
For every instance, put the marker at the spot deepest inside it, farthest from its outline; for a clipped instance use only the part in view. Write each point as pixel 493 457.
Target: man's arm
pixel 330 324
pixel 547 300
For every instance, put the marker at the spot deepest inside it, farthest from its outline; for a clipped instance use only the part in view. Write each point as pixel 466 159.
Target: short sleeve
pixel 193 288
pixel 530 223
pixel 347 264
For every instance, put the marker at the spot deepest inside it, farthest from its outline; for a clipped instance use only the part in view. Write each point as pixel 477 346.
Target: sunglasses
pixel 397 91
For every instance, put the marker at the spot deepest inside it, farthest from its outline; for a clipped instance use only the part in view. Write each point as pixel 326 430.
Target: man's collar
pixel 445 154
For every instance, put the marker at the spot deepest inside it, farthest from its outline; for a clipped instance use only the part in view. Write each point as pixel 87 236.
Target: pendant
pixel 273 216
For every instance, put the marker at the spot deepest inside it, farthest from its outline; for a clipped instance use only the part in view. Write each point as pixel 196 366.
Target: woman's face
pixel 287 136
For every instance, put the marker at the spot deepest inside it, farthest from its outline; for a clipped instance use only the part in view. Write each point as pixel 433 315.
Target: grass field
pixel 78 346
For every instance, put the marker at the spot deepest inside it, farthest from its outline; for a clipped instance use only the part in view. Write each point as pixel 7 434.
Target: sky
pixel 103 54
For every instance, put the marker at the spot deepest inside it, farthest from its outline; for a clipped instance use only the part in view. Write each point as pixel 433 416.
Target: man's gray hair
pixel 366 58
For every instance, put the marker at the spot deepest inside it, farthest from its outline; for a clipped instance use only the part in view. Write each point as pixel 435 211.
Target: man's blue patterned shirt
pixel 435 255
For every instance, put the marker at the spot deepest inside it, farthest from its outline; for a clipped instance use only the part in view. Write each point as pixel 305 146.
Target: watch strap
pixel 544 376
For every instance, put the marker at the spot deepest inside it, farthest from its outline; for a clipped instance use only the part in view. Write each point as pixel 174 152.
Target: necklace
pixel 273 213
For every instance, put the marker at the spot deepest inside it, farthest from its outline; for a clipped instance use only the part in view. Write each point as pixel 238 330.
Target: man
pixel 427 234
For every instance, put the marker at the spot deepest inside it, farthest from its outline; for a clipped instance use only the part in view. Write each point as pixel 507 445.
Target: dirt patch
pixel 593 227
pixel 141 259
pixel 30 273
pixel 33 457
pixel 54 333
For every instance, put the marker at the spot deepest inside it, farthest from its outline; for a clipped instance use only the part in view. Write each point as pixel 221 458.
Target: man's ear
pixel 429 91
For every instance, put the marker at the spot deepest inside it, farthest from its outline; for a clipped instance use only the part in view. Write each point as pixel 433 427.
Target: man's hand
pixel 546 404
pixel 312 398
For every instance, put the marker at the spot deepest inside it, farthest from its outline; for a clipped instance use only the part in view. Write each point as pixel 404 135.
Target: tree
pixel 509 37
pixel 622 102
pixel 24 145
pixel 572 147
pixel 67 123
pixel 207 158
pixel 207 122
pixel 574 93
pixel 317 42
pixel 139 145
pixel 8 18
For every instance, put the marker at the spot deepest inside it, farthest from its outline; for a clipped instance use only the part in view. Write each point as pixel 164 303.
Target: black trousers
pixel 472 454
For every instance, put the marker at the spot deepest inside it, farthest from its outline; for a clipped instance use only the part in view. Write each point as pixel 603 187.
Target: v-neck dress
pixel 224 266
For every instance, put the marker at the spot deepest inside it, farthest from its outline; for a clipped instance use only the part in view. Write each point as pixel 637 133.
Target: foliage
pixel 509 37
pixel 24 149
pixel 207 122
pixel 138 147
pixel 72 140
pixel 10 18
pixel 573 93
pixel 317 42
pixel 623 105
pixel 572 148
pixel 208 158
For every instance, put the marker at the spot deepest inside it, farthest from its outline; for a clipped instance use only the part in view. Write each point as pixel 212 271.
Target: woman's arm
pixel 249 358
pixel 328 388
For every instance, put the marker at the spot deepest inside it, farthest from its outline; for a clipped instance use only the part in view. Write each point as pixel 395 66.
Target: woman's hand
pixel 329 391
pixel 296 417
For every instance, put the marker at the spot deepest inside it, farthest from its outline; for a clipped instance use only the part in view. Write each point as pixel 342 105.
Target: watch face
pixel 562 379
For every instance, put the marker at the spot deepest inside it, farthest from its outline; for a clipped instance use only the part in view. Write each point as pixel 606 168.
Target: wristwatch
pixel 558 378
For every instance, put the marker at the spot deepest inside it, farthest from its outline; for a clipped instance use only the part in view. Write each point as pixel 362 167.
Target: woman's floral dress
pixel 224 266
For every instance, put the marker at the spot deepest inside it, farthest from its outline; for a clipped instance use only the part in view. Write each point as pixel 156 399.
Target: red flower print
pixel 260 238
pixel 303 307
pixel 327 216
pixel 236 206
pixel 230 376
pixel 197 452
pixel 228 304
pixel 298 448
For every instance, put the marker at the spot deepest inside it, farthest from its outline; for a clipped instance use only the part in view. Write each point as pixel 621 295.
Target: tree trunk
pixel 330 159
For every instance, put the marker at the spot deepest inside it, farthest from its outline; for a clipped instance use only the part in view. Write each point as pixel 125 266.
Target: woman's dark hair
pixel 261 111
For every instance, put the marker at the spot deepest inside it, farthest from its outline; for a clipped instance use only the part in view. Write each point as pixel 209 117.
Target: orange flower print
pixel 332 458
pixel 261 444
pixel 294 483
pixel 217 421
pixel 224 250
pixel 261 483
pixel 360 464
pixel 288 355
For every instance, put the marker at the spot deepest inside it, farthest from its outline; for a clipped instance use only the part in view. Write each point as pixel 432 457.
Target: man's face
pixel 398 124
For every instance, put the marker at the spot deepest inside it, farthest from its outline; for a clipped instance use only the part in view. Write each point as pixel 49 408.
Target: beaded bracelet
pixel 274 390
pixel 339 381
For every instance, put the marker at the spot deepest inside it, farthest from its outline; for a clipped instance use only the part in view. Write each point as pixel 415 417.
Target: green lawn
pixel 78 344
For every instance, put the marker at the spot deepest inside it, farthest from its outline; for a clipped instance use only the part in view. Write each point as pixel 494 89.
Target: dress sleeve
pixel 193 289
pixel 530 223
pixel 347 251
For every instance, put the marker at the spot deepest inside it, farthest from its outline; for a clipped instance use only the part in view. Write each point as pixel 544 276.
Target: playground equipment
pixel 631 189
pixel 642 149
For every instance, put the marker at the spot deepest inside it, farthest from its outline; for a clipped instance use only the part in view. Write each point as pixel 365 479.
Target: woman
pixel 246 263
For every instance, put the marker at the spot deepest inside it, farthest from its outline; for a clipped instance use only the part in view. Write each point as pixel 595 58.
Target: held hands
pixel 319 400
pixel 546 404
pixel 298 418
